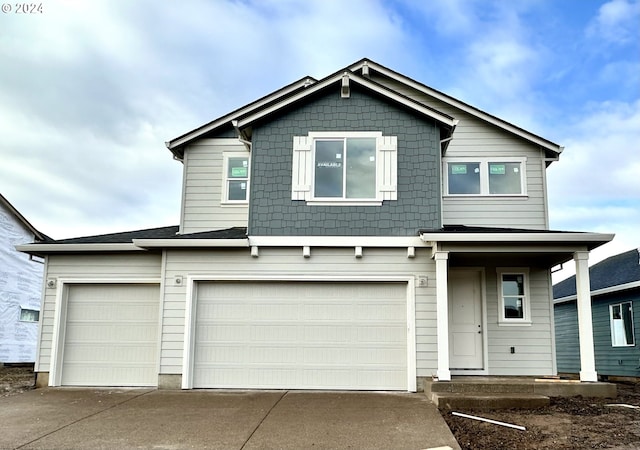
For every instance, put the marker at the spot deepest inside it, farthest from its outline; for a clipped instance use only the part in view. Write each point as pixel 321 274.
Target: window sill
pixel 234 204
pixel 344 203
pixel 520 323
pixel 517 196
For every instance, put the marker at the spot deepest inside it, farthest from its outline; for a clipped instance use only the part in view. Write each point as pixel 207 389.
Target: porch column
pixel 585 325
pixel 442 315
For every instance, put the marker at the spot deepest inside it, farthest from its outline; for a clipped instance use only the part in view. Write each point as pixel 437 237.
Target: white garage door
pixel 301 335
pixel 111 335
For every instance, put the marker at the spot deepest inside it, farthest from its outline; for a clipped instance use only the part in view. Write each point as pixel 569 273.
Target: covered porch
pixel 494 302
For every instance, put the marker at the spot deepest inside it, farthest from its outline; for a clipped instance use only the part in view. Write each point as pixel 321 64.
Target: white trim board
pixel 337 241
pixel 190 316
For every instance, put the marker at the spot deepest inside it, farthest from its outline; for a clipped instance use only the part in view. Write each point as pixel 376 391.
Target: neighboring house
pixel 20 287
pixel 362 231
pixel 615 296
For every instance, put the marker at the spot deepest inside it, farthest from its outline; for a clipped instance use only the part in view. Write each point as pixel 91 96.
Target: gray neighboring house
pixel 615 294
pixel 20 287
pixel 362 231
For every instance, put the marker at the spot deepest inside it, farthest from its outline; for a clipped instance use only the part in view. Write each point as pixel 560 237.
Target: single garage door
pixel 111 335
pixel 301 335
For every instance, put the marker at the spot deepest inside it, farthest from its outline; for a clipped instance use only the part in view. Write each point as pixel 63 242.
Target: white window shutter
pixel 387 149
pixel 301 168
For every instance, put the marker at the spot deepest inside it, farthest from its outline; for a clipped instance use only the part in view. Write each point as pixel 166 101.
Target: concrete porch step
pixel 497 400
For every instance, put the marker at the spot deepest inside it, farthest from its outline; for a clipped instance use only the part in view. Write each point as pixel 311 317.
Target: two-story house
pixel 362 231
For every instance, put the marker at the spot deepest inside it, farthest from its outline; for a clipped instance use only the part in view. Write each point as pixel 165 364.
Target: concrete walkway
pixel 164 419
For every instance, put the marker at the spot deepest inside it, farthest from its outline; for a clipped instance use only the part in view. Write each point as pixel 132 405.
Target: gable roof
pixel 618 272
pixel 359 72
pixel 366 65
pixel 37 234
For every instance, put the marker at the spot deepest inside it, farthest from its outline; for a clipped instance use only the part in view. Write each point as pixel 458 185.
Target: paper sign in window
pixel 458 169
pixel 497 169
pixel 239 172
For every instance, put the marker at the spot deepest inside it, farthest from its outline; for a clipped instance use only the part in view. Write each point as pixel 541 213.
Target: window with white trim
pixel 29 315
pixel 235 188
pixel 513 293
pixel 484 176
pixel 622 325
pixel 358 168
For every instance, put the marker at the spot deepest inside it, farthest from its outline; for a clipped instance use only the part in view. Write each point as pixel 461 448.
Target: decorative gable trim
pixel 339 78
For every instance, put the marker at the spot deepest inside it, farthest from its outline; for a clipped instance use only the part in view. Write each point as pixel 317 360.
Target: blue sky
pixel 90 91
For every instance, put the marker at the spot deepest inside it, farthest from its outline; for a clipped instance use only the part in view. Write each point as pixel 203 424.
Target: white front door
pixel 465 319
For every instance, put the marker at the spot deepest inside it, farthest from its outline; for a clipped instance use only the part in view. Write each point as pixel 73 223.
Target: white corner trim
pixel 337 241
pixel 60 317
pixel 191 300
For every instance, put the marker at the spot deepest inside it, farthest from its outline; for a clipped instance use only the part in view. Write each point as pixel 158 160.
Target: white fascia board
pixel 607 290
pixel 336 241
pixel 574 238
pixel 363 82
pixel 65 248
pixel 227 118
pixel 190 243
pixel 464 107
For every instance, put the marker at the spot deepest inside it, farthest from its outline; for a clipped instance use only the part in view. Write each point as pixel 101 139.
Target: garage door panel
pixel 111 335
pixel 301 335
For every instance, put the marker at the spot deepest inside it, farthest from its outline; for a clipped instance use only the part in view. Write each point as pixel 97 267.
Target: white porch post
pixel 442 315
pixel 585 325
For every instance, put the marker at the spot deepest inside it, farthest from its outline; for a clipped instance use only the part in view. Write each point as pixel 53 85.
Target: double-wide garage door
pixel 111 335
pixel 301 335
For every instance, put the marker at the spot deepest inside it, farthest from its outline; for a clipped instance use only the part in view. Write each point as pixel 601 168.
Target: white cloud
pixel 617 22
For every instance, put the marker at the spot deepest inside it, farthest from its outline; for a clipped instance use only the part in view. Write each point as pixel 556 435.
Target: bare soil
pixel 16 379
pixel 568 423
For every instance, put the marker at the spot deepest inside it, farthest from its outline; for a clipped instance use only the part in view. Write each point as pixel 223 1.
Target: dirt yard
pixel 569 423
pixel 15 380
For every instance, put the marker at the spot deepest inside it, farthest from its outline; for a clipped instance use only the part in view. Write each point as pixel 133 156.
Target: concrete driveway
pixel 165 419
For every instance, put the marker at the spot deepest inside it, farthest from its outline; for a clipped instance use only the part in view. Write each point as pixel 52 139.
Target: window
pixel 345 168
pixel 356 168
pixel 485 176
pixel 514 298
pixel 29 315
pixel 236 178
pixel 621 325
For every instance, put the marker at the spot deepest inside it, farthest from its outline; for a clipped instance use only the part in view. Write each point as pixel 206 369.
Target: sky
pixel 91 90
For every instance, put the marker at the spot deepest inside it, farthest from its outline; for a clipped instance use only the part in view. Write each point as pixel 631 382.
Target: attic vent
pixel 344 92
pixel 365 70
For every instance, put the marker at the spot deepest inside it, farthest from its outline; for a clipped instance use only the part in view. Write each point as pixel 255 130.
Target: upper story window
pixel 513 291
pixel 622 325
pixel 344 168
pixel 484 176
pixel 235 189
